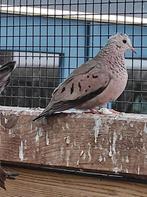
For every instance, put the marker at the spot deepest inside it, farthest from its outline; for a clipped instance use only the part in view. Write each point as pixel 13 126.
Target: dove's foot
pixel 92 111
pixel 106 111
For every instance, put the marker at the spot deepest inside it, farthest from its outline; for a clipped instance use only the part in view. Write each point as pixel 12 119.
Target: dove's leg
pixel 92 111
pixel 102 110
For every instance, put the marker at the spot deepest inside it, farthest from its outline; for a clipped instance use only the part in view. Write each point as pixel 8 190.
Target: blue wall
pixel 138 35
pixel 67 37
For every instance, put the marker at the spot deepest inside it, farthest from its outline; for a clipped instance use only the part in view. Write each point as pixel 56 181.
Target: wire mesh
pixel 48 39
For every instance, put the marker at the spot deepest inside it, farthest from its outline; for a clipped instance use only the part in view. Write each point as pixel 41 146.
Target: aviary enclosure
pixel 71 154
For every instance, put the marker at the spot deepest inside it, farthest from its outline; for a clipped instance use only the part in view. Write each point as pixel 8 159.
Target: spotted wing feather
pixel 77 89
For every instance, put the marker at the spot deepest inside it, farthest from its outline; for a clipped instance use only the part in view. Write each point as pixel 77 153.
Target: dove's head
pixel 121 41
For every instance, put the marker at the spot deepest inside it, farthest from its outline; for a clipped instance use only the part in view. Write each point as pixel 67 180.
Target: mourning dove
pixel 96 82
pixel 5 72
pixel 6 175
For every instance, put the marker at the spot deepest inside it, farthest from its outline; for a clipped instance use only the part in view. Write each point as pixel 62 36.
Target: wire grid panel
pixel 48 39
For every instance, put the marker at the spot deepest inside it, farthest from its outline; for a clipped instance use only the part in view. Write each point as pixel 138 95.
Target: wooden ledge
pixel 85 141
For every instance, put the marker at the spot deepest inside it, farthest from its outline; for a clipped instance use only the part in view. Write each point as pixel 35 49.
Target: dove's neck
pixel 112 56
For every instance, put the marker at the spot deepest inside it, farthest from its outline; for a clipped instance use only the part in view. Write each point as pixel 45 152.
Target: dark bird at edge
pixel 5 73
pixel 6 175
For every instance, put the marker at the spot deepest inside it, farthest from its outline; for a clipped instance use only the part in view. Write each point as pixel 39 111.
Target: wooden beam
pixel 43 184
pixel 115 143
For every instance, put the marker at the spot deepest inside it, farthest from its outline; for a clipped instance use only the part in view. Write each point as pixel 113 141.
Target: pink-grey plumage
pixel 96 82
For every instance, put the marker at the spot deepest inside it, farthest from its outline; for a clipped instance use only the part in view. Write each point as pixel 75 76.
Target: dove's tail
pixel 51 109
pixel 43 114
pixel 5 72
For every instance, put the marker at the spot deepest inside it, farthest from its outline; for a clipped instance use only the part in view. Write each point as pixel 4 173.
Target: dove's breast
pixel 114 89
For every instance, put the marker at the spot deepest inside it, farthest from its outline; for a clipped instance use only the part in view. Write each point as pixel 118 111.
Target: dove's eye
pixel 124 41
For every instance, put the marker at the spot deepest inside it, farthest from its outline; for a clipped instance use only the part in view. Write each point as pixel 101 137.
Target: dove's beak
pixel 133 50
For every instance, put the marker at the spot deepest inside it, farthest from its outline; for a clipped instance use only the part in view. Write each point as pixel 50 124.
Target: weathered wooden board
pixel 97 142
pixel 33 183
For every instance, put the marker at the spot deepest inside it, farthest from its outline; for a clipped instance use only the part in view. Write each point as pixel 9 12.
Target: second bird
pixel 96 82
pixel 5 73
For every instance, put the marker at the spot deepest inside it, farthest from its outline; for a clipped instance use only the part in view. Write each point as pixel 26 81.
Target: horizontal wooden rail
pixel 114 143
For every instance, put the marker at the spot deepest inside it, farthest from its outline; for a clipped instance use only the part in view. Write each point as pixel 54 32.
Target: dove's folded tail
pixel 42 115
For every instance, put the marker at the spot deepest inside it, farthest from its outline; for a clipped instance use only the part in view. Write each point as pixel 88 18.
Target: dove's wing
pixel 77 89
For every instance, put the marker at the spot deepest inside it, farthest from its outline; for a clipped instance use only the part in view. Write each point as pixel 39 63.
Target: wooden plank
pixel 44 184
pixel 84 141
